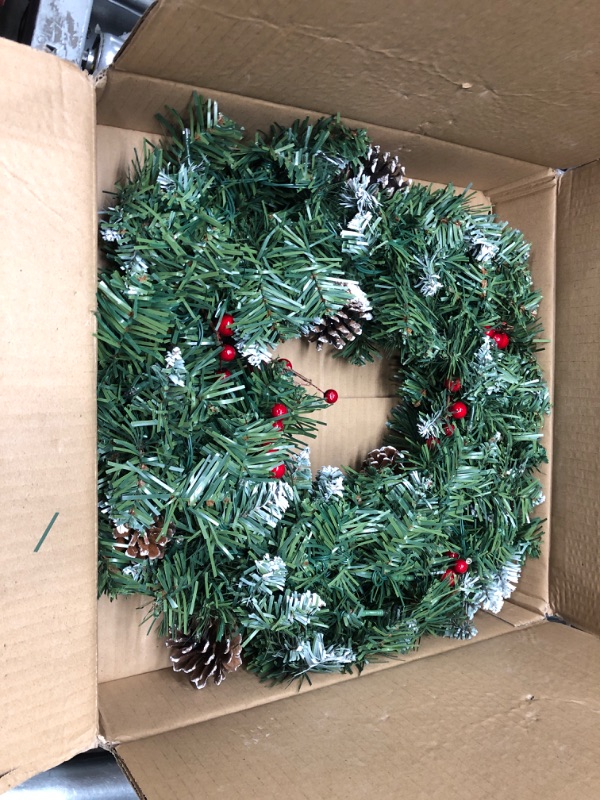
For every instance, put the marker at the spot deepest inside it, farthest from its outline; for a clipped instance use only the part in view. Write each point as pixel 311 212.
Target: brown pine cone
pixel 384 170
pixel 150 544
pixel 206 656
pixel 346 324
pixel 383 457
pixel 336 331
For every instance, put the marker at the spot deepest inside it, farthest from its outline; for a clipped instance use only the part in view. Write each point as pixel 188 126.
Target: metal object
pixel 117 16
pixel 102 52
pixel 110 24
pixel 90 776
pixel 89 33
pixel 60 27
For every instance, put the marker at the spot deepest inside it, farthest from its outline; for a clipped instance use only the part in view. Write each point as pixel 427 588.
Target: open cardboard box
pixel 490 95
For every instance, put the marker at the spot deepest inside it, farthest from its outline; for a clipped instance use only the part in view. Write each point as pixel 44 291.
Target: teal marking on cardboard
pixel 45 533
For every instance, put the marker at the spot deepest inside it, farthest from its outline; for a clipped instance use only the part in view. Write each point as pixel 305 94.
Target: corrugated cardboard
pixel 459 719
pixel 47 414
pixel 131 101
pixel 532 208
pixel 157 702
pixel 522 82
pixel 482 722
pixel 575 555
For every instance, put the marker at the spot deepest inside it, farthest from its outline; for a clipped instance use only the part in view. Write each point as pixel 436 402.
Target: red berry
pixel 460 566
pixel 448 576
pixel 330 396
pixel 228 353
pixel 458 410
pixel 225 328
pixel 453 385
pixel 278 424
pixel 225 373
pixel 286 362
pixel 502 340
pixel 278 471
pixel 451 554
pixel 432 442
pixel 490 332
pixel 279 410
pixel 449 429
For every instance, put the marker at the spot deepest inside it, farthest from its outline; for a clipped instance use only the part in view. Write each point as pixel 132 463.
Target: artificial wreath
pixel 218 249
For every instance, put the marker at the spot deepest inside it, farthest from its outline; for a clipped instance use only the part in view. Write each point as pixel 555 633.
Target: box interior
pixel 161 701
pixel 139 695
pixel 526 113
pixel 154 715
pixel 366 393
pixel 481 722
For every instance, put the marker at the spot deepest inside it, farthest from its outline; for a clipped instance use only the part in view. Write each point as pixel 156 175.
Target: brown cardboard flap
pixel 159 701
pixel 575 555
pixel 511 717
pixel 131 102
pixel 531 207
pixel 520 83
pixel 47 413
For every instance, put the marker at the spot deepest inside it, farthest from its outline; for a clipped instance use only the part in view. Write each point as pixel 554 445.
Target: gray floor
pixel 90 776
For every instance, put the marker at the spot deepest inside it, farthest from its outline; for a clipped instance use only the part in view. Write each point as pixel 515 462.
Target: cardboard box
pixel 493 95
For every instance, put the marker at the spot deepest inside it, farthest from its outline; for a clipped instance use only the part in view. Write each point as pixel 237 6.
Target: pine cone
pixel 150 543
pixel 382 457
pixel 206 656
pixel 346 324
pixel 384 170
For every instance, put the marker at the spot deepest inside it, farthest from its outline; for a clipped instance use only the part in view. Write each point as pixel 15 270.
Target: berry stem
pixel 307 380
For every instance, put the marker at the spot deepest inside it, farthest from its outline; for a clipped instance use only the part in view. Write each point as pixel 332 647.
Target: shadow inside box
pixel 94 775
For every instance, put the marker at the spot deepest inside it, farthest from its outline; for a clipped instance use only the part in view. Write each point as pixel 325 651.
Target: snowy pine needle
pixel 269 575
pixel 462 630
pixel 256 353
pixel 484 354
pixel 273 500
pixel 175 367
pixel 302 607
pixel 134 571
pixel 430 424
pixel 359 193
pixel 429 283
pixel 491 592
pixel 313 656
pixel 300 469
pixel 360 234
pixel 330 482
pixel 484 250
pixel 111 235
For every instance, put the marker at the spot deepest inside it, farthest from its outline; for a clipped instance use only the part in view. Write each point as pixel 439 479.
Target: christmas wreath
pixel 218 249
